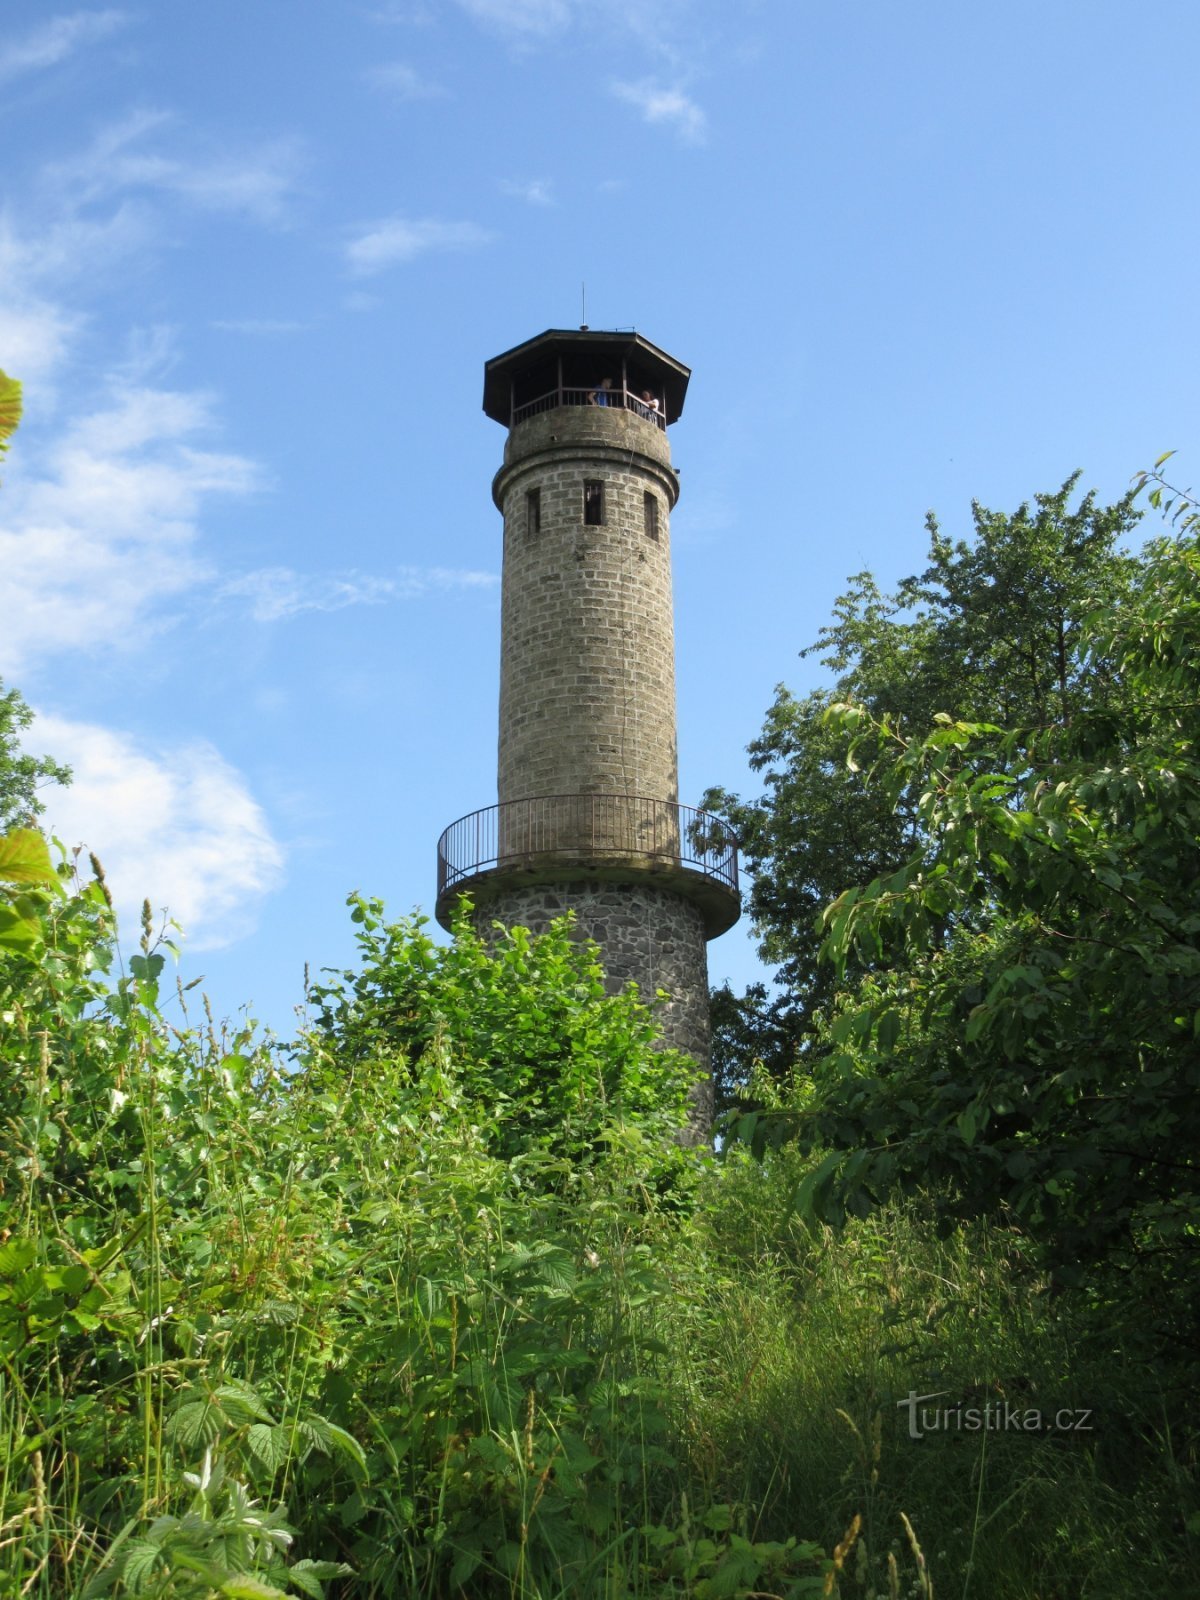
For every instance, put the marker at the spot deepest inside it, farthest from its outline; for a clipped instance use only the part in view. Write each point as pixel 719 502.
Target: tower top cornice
pixel 581 358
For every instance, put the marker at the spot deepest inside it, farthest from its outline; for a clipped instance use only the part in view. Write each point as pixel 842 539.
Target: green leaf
pixel 10 409
pixel 345 1445
pixel 20 929
pixel 138 1562
pixel 269 1443
pixel 25 859
pixel 247 1587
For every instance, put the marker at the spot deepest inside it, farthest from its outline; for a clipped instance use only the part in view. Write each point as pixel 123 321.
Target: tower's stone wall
pixel 587 673
pixel 588 819
pixel 648 936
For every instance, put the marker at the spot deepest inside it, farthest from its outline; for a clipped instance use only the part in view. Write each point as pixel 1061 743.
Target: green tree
pixel 21 774
pixel 1024 1040
pixel 991 630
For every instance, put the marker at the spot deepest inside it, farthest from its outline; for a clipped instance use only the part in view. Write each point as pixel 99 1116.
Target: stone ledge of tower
pixel 601 456
pixel 573 427
pixel 719 905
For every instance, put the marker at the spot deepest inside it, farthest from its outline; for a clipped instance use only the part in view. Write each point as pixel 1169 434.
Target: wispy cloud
pixel 671 107
pixel 531 17
pixel 35 336
pixel 257 183
pixel 67 249
pixel 150 354
pixel 395 241
pixel 534 191
pixel 55 40
pixel 276 593
pixel 663 27
pixel 177 826
pixel 101 533
pixel 258 327
pixel 403 82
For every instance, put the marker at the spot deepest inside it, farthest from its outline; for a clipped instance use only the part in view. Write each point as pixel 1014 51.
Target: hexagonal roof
pixel 587 355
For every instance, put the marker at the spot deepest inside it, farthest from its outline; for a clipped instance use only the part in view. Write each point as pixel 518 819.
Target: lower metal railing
pixel 585 827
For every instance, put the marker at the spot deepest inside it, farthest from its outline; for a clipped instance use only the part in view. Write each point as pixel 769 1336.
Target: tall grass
pixel 360 1319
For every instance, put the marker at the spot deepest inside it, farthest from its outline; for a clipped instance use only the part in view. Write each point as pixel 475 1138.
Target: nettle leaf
pixel 246 1587
pixel 269 1443
pixel 139 1559
pixel 310 1577
pixel 241 1403
pixel 196 1422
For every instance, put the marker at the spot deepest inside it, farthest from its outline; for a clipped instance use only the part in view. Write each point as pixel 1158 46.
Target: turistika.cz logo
pixel 995 1416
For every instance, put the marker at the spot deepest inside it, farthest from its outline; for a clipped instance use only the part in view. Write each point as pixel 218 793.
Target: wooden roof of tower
pixel 668 376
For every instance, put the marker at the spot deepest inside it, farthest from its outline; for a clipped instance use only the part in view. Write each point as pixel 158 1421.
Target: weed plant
pixel 432 1303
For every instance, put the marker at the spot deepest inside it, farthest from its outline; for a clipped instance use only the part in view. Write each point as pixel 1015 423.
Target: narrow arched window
pixel 650 503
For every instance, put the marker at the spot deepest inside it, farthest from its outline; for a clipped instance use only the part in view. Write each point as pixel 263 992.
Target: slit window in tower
pixel 593 503
pixel 651 504
pixel 533 513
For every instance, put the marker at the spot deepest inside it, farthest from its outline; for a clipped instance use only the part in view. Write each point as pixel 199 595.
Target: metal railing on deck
pixel 622 399
pixel 583 827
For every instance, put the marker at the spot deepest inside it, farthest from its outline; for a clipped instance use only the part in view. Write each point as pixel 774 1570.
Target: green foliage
pixel 1179 507
pixel 467 1364
pixel 991 631
pixel 371 1285
pixel 522 1024
pixel 20 775
pixel 1026 1039
pixel 10 409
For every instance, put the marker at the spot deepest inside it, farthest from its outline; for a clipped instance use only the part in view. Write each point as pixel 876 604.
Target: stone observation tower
pixel 589 818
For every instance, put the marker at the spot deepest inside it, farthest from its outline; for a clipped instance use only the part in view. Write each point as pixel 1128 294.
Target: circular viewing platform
pixel 591 837
pixel 646 405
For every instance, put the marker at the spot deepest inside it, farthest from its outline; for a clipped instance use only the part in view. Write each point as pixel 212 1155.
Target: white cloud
pixel 534 191
pixel 68 249
pixel 395 241
pixel 150 353
pixel 403 82
pixel 520 16
pixel 663 27
pixel 94 543
pixel 34 337
pixel 55 40
pixel 669 106
pixel 256 327
pixel 257 183
pixel 276 593
pixel 177 826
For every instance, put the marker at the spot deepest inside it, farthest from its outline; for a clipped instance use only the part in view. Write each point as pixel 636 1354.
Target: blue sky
pixel 252 261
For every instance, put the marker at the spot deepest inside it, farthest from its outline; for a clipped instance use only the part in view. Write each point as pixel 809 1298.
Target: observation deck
pixel 570 367
pixel 563 838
